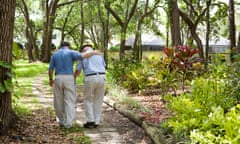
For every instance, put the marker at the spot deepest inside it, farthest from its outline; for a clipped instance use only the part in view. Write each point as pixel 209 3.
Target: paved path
pixel 114 127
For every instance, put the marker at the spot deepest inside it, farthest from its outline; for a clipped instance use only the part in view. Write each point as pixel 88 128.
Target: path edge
pixel 154 133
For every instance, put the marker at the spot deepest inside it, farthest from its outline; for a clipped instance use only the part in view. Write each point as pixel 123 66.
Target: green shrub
pixel 136 79
pixel 212 93
pixel 192 110
pixel 188 114
pixel 206 113
pixel 115 48
pixel 219 128
pixel 118 69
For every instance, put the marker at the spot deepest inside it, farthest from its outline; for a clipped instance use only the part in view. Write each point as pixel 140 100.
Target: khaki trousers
pixel 65 99
pixel 93 93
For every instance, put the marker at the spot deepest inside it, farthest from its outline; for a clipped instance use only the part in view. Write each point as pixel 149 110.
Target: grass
pixel 75 133
pixel 120 95
pixel 25 69
pixel 24 73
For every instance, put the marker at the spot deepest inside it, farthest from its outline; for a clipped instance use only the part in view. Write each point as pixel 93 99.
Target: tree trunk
pixel 167 31
pixel 106 39
pixel 48 29
pixel 7 12
pixel 208 27
pixel 198 41
pixel 238 44
pixel 137 44
pixel 65 22
pixel 194 34
pixel 129 12
pixel 36 48
pixel 232 32
pixel 122 42
pixel 29 32
pixel 45 29
pixel 174 23
pixel 82 24
pixel 105 27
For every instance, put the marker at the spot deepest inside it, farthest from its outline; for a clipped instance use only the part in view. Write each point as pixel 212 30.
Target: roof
pixel 219 41
pixel 156 40
pixel 147 40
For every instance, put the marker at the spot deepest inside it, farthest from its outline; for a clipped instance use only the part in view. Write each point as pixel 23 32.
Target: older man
pixel 94 86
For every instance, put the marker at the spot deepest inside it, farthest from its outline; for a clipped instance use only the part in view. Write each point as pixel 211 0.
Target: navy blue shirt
pixel 62 61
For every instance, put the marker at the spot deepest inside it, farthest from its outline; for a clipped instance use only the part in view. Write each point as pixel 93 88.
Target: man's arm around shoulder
pixel 91 53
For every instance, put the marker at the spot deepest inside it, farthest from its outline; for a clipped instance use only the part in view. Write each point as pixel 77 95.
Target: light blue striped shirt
pixel 62 61
pixel 92 64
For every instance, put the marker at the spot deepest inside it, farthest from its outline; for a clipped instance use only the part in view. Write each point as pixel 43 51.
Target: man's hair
pixel 86 45
pixel 63 44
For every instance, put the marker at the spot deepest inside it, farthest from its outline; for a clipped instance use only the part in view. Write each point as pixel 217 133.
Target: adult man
pixel 63 86
pixel 94 86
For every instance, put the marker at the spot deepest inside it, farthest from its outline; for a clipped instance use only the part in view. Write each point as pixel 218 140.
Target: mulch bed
pixel 38 127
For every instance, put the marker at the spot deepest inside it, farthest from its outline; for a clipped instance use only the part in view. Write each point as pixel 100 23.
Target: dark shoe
pixel 95 125
pixel 89 125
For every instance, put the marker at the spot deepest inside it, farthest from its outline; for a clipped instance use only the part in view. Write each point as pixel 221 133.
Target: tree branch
pixel 132 11
pixel 114 14
pixel 67 3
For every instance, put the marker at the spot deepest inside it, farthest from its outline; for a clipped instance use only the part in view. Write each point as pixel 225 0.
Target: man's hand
pixel 51 83
pixel 50 75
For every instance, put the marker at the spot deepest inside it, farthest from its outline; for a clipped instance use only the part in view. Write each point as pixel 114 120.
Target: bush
pixel 115 48
pixel 206 113
pixel 219 127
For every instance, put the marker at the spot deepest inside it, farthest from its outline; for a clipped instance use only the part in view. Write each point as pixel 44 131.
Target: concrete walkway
pixel 104 134
pixel 114 127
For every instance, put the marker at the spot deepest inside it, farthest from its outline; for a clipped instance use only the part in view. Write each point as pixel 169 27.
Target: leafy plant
pixel 232 74
pixel 184 61
pixel 188 114
pixel 136 79
pixel 17 50
pixel 118 69
pixel 212 92
pixel 191 111
pixel 168 81
pixel 7 84
pixel 219 127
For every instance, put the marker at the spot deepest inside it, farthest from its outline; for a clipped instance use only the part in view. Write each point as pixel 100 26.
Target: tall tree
pixel 50 7
pixel 197 15
pixel 129 10
pixel 208 27
pixel 142 12
pixel 174 22
pixel 67 22
pixel 82 23
pixel 7 12
pixel 232 31
pixel 238 43
pixel 104 19
pixel 30 33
